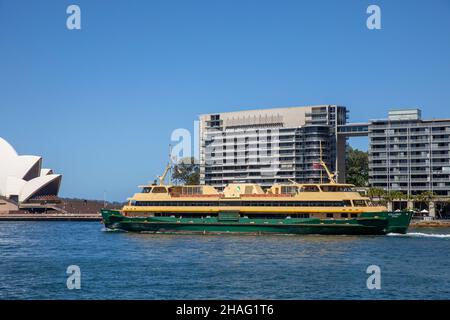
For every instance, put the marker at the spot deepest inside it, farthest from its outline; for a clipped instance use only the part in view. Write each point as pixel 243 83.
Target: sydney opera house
pixel 24 184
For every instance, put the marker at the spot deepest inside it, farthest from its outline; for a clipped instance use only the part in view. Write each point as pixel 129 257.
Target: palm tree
pixel 424 197
pixel 393 195
pixel 396 195
pixel 376 194
pixel 428 196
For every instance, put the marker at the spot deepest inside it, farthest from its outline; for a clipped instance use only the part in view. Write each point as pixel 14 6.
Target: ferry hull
pixel 378 223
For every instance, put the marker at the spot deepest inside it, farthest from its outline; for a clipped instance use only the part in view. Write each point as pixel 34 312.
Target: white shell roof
pixel 35 185
pixel 22 175
pixel 45 172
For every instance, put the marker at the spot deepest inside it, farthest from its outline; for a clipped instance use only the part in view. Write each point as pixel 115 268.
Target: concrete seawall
pixel 51 217
pixel 430 224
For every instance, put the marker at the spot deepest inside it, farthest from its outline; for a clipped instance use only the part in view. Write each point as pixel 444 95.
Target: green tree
pixel 424 199
pixel 395 195
pixel 187 172
pixel 376 194
pixel 357 167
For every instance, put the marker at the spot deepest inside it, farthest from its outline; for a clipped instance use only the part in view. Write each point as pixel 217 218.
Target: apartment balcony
pixel 397 148
pixel 441 180
pixel 441 187
pixel 419 140
pixel 446 148
pixel 397 135
pixel 209 170
pixel 377 142
pixel 440 163
pixel 420 180
pixel 378 180
pixel 398 179
pixel 421 188
pixel 378 173
pixel 397 188
pixel 377 135
pixel 413 171
pixel 414 134
pixel 371 159
pixel 239 135
pixel 377 147
pixel 398 165
pixel 286 141
pixel 441 156
pixel 287 148
pixel 398 157
pixel 416 165
pixel 441 140
pixel 395 173
pixel 426 156
pixel 213 178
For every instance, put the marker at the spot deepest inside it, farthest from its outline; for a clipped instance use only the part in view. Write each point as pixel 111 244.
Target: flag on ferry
pixel 317 165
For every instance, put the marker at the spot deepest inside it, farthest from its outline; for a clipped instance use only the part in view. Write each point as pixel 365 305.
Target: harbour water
pixel 34 257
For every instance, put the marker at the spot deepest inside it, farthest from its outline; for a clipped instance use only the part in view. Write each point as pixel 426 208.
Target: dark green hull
pixel 376 223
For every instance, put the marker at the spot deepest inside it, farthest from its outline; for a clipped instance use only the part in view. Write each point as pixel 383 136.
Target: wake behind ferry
pixel 313 208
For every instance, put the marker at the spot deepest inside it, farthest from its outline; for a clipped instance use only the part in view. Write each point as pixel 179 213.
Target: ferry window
pixel 336 189
pixel 288 189
pixel 353 215
pixel 359 203
pixel 159 190
pixel 192 190
pixel 344 215
pixel 248 189
pixel 347 203
pixel 329 215
pixel 146 190
pixel 310 189
pixel 175 191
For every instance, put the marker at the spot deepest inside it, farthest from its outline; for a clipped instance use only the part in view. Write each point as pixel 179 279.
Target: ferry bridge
pixel 353 130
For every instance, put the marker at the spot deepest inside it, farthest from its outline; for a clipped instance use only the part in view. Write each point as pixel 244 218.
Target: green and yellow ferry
pixel 313 208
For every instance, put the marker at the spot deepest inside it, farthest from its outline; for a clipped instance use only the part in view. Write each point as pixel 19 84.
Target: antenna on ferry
pixel 170 164
pixel 168 168
pixel 324 165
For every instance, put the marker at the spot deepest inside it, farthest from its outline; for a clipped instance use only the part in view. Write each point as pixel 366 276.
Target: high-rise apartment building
pixel 409 154
pixel 268 146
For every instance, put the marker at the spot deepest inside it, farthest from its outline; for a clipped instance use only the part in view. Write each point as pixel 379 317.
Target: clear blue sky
pixel 99 104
